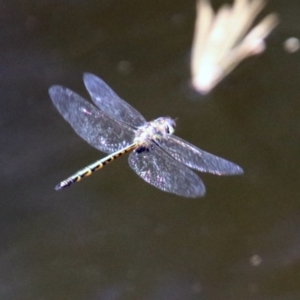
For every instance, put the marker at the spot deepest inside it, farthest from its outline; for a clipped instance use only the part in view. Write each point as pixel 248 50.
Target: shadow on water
pixel 113 236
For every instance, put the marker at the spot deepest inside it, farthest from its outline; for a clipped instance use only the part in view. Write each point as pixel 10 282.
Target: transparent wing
pixel 198 159
pixel 108 101
pixel 90 123
pixel 159 169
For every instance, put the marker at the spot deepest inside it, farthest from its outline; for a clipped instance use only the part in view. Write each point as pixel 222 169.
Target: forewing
pixel 108 101
pixel 90 123
pixel 198 159
pixel 159 169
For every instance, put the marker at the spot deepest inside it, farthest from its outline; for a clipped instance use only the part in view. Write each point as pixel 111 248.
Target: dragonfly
pixel 113 126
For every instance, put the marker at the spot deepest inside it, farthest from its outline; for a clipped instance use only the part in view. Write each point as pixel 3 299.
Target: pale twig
pixel 223 40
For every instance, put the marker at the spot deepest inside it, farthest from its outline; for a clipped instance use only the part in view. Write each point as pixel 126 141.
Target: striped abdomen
pixel 95 167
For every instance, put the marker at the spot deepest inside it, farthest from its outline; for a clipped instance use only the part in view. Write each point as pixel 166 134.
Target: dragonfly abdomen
pixel 87 171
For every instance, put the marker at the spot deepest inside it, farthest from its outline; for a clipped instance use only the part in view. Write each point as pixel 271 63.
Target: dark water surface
pixel 113 236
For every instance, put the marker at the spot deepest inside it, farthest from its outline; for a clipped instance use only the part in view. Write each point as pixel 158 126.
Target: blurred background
pixel 113 236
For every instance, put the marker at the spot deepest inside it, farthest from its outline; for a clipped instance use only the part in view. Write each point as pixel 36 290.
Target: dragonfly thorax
pixel 153 131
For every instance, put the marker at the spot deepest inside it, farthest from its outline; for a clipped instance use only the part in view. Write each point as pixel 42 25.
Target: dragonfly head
pixel 166 125
pixel 170 125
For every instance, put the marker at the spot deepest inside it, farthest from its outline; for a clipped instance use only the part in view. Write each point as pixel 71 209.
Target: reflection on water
pixel 276 257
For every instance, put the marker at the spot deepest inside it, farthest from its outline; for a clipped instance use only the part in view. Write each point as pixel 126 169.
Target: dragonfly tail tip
pixel 58 187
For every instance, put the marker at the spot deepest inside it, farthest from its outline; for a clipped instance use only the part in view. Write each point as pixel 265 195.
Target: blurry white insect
pixel 291 45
